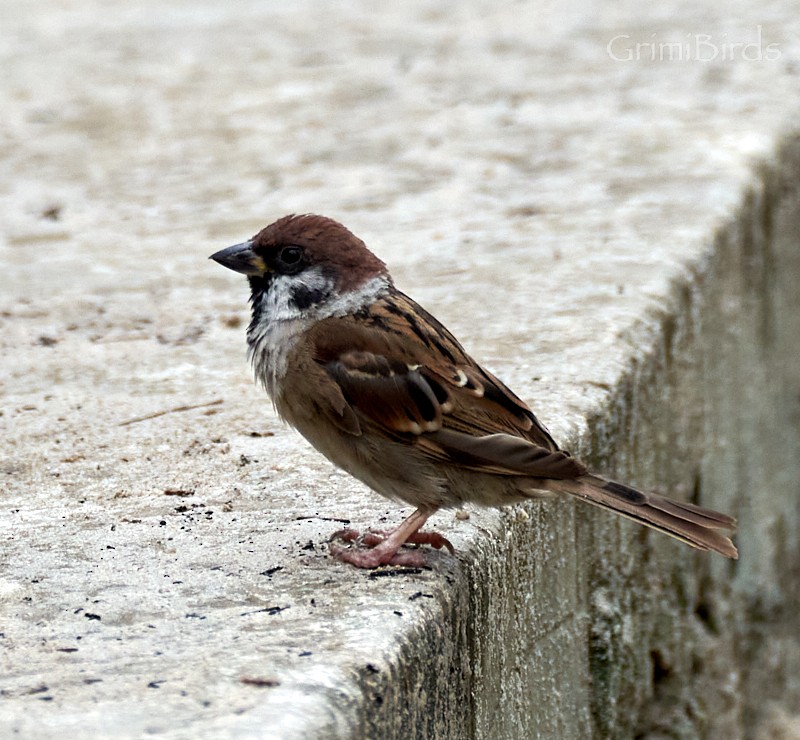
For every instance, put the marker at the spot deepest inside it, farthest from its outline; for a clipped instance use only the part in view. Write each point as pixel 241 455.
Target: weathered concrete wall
pixel 638 638
pixel 712 411
pixel 163 559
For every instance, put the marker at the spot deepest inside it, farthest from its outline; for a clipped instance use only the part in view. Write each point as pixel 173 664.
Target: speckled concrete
pixel 614 237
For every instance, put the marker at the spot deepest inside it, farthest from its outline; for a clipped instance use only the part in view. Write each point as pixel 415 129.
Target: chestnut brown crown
pixel 295 242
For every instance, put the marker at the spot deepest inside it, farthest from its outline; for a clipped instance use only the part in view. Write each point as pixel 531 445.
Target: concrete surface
pixel 616 237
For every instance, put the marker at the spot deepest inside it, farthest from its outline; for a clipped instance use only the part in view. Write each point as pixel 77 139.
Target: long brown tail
pixel 686 522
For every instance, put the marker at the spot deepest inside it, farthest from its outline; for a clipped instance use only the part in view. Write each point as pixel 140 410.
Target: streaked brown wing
pixel 399 369
pixel 398 396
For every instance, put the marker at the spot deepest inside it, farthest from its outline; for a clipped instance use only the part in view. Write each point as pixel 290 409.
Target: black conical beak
pixel 240 258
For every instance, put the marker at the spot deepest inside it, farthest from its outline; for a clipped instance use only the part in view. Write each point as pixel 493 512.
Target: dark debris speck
pixel 391 573
pixel 259 682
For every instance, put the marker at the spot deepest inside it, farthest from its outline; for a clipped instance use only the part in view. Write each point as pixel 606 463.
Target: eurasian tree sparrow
pixel 384 391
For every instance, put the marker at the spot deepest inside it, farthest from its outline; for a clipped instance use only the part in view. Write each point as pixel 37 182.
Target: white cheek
pixel 279 303
pixel 355 300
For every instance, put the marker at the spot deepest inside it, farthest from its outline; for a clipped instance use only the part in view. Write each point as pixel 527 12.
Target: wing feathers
pixel 389 369
pixel 391 393
pixel 502 454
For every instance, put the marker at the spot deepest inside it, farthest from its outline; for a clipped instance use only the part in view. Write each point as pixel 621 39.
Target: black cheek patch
pixel 304 296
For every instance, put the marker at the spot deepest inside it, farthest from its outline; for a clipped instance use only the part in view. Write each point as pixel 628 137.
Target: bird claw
pixel 373 558
pixel 369 538
pixel 377 550
pixel 373 537
pixel 434 539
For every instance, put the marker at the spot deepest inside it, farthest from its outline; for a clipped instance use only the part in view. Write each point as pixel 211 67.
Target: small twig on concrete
pixel 171 411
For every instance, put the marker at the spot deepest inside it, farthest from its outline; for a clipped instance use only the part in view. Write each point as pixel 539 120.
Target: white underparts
pixel 279 322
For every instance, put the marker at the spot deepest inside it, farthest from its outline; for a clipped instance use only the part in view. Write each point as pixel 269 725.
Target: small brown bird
pixel 387 393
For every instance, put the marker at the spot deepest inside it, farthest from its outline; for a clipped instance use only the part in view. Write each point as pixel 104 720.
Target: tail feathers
pixel 686 522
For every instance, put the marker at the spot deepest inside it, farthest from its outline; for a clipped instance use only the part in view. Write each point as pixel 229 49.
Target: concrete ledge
pixel 616 239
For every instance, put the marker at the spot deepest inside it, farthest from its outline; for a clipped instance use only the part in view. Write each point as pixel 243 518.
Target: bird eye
pixel 290 255
pixel 290 259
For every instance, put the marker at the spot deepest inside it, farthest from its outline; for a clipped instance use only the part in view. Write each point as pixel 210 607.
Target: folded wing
pixel 403 372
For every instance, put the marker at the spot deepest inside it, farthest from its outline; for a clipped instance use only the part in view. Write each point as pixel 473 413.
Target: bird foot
pixel 373 537
pixel 374 548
